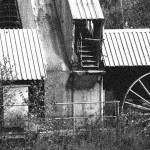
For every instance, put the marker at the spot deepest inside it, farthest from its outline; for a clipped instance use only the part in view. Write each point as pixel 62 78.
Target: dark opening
pixel 9 14
pixel 88 43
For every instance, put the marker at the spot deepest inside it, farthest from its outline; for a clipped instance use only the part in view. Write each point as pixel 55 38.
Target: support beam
pixel 144 87
pixel 137 106
pixel 140 97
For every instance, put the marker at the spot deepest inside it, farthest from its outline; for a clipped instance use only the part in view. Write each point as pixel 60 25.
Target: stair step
pixel 86 49
pixel 84 46
pixel 83 51
pixel 88 43
pixel 91 39
pixel 89 61
pixel 90 66
pixel 93 65
pixel 88 56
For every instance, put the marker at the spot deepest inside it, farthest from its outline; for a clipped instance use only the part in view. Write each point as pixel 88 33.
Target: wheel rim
pixel 136 103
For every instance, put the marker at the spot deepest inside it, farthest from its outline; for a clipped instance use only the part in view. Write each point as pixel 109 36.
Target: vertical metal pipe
pixel 72 100
pixel 117 129
pixel 101 98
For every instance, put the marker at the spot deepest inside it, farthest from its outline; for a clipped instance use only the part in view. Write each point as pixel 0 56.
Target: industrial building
pixel 58 42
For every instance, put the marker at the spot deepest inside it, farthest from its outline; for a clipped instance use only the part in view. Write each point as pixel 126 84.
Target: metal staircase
pixel 87 52
pixel 9 14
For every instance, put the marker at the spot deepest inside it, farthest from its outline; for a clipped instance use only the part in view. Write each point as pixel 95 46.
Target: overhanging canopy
pixel 86 9
pixel 22 51
pixel 126 47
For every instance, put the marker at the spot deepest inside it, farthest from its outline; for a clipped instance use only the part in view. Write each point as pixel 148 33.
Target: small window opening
pixel 19 104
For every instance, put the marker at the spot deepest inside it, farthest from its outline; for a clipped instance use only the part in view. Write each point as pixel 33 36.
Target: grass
pixel 93 137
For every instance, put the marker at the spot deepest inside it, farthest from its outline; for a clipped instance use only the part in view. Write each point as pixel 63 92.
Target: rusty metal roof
pixel 126 47
pixel 86 9
pixel 21 48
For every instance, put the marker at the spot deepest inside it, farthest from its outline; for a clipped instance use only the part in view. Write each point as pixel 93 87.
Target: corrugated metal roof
pixel 86 9
pixel 126 47
pixel 22 50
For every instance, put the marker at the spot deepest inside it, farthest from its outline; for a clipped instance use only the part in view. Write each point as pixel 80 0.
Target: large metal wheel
pixel 136 104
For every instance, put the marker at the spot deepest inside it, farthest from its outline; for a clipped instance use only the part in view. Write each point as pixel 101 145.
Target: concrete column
pixel 102 100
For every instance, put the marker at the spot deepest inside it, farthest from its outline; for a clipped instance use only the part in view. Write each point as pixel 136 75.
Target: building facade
pixel 61 42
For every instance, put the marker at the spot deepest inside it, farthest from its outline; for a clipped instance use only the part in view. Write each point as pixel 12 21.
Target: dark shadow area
pixel 9 15
pixel 81 82
pixel 119 79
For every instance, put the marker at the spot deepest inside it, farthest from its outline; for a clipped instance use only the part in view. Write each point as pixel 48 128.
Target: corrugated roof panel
pixel 126 47
pixel 116 47
pixel 135 49
pixel 24 53
pixel 39 54
pixel 10 53
pixel 92 9
pixel 146 50
pixel 80 9
pixel 145 41
pixel 30 56
pixel 6 54
pixel 122 53
pixel 27 48
pixel 146 34
pixel 129 49
pixel 143 47
pixel 22 49
pixel 138 46
pixel 14 50
pixel 74 8
pixel 113 52
pixel 34 55
pixel 86 9
pixel 20 56
pixel 97 8
pixel 108 52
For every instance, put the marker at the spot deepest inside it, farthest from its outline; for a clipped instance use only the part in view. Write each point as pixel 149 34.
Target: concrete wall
pixel 84 90
pixel 42 15
pixel 67 25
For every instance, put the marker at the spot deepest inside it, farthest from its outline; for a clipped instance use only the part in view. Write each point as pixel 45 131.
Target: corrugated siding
pixel 86 9
pixel 126 47
pixel 22 50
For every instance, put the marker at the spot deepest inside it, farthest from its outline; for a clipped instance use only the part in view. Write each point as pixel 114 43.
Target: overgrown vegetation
pixel 131 132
